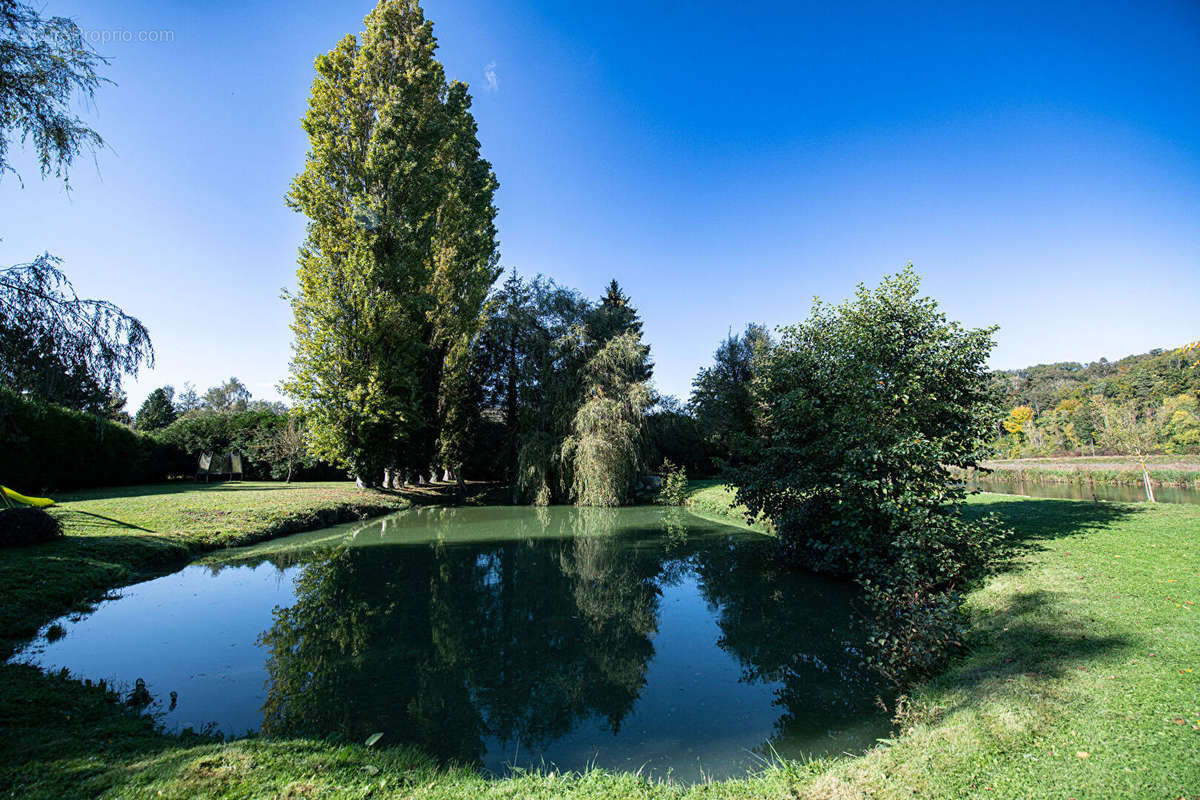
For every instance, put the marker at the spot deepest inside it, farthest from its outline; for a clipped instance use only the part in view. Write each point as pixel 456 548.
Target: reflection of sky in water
pixel 711 659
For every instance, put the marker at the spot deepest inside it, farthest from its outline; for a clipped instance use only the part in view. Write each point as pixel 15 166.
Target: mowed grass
pixel 716 498
pixel 118 535
pixel 1083 680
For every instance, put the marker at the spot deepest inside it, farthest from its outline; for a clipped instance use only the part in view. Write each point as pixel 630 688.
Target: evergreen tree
pixel 721 394
pixel 157 411
pixel 615 316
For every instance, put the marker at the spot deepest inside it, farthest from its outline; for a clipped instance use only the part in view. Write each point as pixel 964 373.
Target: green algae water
pixel 630 639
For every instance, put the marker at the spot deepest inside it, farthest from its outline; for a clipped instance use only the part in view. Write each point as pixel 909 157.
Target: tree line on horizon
pixel 1148 403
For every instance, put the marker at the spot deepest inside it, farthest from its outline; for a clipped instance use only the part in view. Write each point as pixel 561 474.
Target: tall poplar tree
pixel 400 251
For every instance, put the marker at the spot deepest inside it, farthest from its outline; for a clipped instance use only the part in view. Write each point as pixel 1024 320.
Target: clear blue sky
pixel 1038 162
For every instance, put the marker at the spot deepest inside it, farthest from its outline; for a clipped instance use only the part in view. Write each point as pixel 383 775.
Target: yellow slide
pixel 36 502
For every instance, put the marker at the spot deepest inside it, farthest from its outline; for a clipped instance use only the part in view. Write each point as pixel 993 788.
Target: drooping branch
pixel 44 63
pixel 45 322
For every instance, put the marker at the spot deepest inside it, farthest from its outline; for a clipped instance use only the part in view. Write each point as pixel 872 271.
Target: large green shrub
pixel 863 408
pixel 48 447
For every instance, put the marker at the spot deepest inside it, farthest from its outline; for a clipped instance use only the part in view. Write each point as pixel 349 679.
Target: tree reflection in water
pixel 457 638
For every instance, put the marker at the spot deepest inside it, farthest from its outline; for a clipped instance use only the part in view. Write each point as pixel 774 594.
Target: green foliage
pixel 158 410
pixel 863 408
pixel 1107 425
pixel 721 394
pixel 400 250
pixel 49 447
pixel 674 490
pixel 64 349
pixel 1104 406
pixel 20 526
pixel 566 381
pixel 528 339
pixel 230 396
pixel 44 64
pixel 581 419
pixel 673 434
pixel 1181 424
pixel 272 444
pixel 603 452
pixel 283 445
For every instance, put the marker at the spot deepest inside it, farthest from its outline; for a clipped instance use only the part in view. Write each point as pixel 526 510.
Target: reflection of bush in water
pixel 793 628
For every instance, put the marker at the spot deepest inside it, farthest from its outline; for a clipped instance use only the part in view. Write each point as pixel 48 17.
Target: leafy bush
pixel 674 488
pixel 863 408
pixel 48 447
pixel 19 526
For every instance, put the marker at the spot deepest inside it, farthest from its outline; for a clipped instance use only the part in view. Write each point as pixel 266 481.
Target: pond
pixel 1085 491
pixel 637 638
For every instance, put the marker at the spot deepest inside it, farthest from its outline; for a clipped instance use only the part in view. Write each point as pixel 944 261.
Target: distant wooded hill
pixel 1148 378
pixel 1140 404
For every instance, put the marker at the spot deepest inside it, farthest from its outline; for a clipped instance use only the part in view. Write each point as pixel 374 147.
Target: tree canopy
pixel 863 408
pixel 401 247
pixel 44 64
pixel 62 348
pixel 157 411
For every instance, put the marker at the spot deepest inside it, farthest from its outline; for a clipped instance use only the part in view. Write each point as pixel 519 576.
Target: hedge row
pixel 45 447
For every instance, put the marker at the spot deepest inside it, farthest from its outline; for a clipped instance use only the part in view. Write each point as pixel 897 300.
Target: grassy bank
pixel 120 535
pixel 713 497
pixel 1083 681
pixel 1105 470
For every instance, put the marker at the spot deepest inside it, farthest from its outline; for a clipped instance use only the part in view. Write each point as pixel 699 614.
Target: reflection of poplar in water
pixel 443 644
pixel 336 665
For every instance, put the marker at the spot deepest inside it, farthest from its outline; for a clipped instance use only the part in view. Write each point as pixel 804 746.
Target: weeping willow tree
pixel 603 452
pixel 582 442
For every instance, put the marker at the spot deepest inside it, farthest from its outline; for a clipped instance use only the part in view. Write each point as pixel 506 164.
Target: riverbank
pixel 714 497
pixel 1083 681
pixel 1177 470
pixel 121 535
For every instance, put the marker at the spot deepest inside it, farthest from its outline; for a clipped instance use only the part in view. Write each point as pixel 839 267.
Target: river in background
pixel 1085 491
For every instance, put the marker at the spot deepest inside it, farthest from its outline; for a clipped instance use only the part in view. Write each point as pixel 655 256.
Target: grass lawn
pixel 1083 681
pixel 715 498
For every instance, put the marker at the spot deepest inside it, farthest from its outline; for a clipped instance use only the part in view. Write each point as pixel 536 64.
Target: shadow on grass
pixel 1020 650
pixel 1021 656
pixel 104 522
pixel 1037 520
pixel 179 487
pixel 61 735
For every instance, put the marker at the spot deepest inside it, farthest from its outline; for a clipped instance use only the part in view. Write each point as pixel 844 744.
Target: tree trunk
pixel 1146 480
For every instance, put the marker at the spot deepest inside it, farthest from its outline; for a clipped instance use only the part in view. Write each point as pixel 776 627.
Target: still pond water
pixel 627 638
